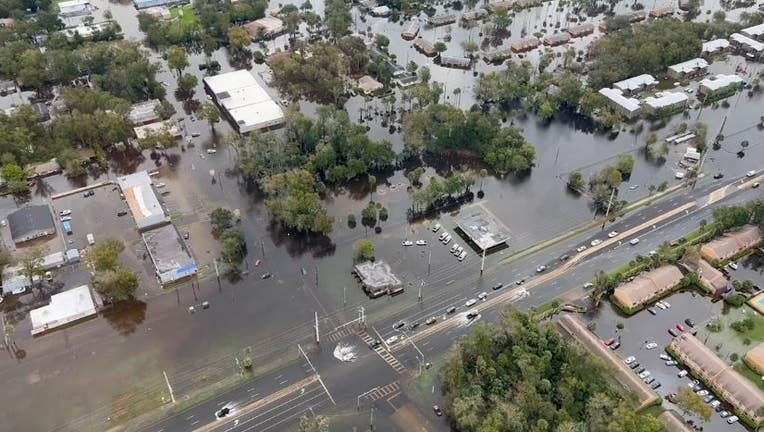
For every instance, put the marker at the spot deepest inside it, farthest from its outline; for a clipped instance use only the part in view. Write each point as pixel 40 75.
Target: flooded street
pixel 108 369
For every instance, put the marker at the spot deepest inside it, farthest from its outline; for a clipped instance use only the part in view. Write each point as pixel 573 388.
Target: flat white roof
pixel 720 81
pixel 64 308
pixel 144 111
pixel 745 40
pixel 247 103
pixel 689 65
pixel 142 201
pixel 635 83
pixel 714 45
pixel 665 99
pixel 754 31
pixel 630 104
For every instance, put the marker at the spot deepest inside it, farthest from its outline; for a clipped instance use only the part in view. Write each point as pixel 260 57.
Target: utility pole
pixel 318 339
pixel 420 290
pixel 262 247
pixel 344 298
pixel 429 260
pixel 371 419
pixel 316 276
pixel 482 263
pixel 609 203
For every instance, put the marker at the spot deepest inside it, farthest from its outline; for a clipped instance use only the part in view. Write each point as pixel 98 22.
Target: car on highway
pixel 717 176
pixel 497 286
pixel 581 248
pixel 519 282
pixel 399 325
pixel 437 410
pixel 266 276
pixel 595 242
pixel 673 332
pixel 121 213
pixel 651 345
pixel 391 340
pixel 413 326
pixel 755 185
pixel 407 243
pixel 540 268
pixel 451 310
pixel 470 302
pixel 431 321
pixel 421 242
pixel 633 241
pixel 750 173
pixel 690 322
pixel 482 296
pixel 732 265
pixel 612 234
pixel 564 258
pixel 222 412
pixel 435 227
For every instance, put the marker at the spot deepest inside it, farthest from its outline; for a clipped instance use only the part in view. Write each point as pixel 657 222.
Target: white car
pixel 421 242
pixel 645 374
pixel 682 373
pixel 483 295
pixel 732 419
pixel 470 302
pixel 630 360
pixel 442 236
pixel 447 240
pixel 436 227
pixel 750 173
pixel 652 252
pixel 581 248
pixel 458 250
pixel 64 212
pixel 732 265
pixel 407 243
pixel 702 393
pixel 453 248
pixel 160 185
pixel 715 403
pixel 667 304
pixel 462 256
pixel 660 305
pixel 595 242
pixel 664 357
pixel 633 241
pixel 391 340
pixel 651 345
pixel 540 268
pixel 588 285
pixel 612 234
pixel 671 363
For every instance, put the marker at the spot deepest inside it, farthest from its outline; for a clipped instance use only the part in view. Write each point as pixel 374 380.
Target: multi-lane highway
pixel 319 382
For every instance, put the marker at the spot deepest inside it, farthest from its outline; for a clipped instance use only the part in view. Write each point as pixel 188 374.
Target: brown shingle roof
pixel 732 243
pixel 648 286
pixel 755 358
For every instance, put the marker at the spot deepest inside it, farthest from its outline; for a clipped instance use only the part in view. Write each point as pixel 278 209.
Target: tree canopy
pixel 294 201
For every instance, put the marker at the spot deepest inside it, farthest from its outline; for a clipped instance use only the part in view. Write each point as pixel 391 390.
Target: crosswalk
pixel 389 390
pixel 339 334
pixel 386 356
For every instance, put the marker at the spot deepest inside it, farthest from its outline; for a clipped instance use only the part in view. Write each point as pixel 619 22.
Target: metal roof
pixel 143 202
pixel 31 222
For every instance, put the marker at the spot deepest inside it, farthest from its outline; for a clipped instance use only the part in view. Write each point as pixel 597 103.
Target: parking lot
pixel 644 328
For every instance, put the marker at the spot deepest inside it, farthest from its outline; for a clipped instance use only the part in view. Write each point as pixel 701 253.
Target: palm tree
pixel 372 183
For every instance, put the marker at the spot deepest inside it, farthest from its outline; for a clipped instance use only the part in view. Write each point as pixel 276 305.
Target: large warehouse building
pixel 244 101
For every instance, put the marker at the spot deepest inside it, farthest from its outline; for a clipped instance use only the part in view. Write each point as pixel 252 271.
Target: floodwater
pixel 84 374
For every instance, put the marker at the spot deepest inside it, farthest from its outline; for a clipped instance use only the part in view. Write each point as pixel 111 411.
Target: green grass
pixel 189 16
pixel 752 376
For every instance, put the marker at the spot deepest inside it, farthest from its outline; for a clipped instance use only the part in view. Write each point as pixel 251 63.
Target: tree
pixel 372 180
pixel 209 111
pixel 234 247
pixel 177 59
pixel 238 40
pixel 690 402
pixel 118 283
pixel 31 262
pixel 314 424
pixel 337 18
pixel 440 47
pixel 369 215
pixel 576 181
pixel 415 175
pixel 187 83
pixel 294 201
pixel 625 164
pixel 364 249
pixel 470 47
pixel 221 219
pixel 6 259
pixel 104 254
pixel 483 173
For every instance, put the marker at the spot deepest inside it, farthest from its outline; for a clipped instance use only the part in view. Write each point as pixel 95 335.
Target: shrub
pixel 735 300
pixel 715 326
pixel 733 357
pixel 351 221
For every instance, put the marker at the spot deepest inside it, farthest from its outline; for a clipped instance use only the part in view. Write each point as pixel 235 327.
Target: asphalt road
pixel 444 288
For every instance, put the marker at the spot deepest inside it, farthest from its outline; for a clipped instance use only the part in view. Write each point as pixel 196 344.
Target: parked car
pixel 407 243
pixel 437 410
pixel 660 305
pixel 680 327
pixel 630 360
pixel 609 341
pixel 519 282
pixel 472 314
pixel 750 173
pixel 615 346
pixel 649 380
pixel 724 414
pixel 652 311
pixel 664 356
pixel 655 385
pixel 634 365
pixel 732 265
pixel 689 322
pixel 447 239
pixel 266 276
pixel 717 176
pixel 651 345
pixel 65 212
pixel 682 373
pixel 702 393
pixel 435 227
pixel 121 213
pixel 442 236
pixel 708 398
pixel 421 242
pixel 673 332
pixel 671 363
pixel 462 256
pixel 732 419
pixel 644 374
pixel 716 404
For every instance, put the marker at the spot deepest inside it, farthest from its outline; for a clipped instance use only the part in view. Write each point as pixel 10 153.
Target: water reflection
pixel 126 316
pixel 298 244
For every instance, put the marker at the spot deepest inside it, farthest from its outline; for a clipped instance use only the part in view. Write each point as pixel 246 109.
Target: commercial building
pixel 581 30
pixel 142 201
pixel 145 4
pixel 425 47
pixel 628 106
pixel 746 399
pixel 662 12
pixel 497 56
pixel 377 278
pixel 755 32
pixel 715 46
pixel 72 8
pixel 482 228
pixel 42 169
pixel 557 39
pixel 632 296
pixel 167 126
pixel 750 47
pixel 30 223
pixel 636 85
pixel 171 257
pixel 666 102
pixel 64 308
pixel 475 15
pixel 719 86
pixel 688 69
pixel 754 358
pixel 411 31
pixel 267 27
pixel 441 20
pixel 731 243
pixel 244 101
pixel 455 62
pixel 144 112
pixel 369 85
pixel 524 45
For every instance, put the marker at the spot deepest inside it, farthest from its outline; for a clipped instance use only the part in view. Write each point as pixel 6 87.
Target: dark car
pixel 655 385
pixel 634 365
pixel 431 321
pixel 223 412
pixel 451 310
pixel 121 213
pixel 266 276
pixel 375 343
pixel 673 332
pixel 564 258
pixel 652 311
pixel 498 286
pixel 520 282
pixel 398 325
pixel 689 322
pixel 615 346
pixel 437 410
pixel 413 326
pixel 88 194
pixel 718 176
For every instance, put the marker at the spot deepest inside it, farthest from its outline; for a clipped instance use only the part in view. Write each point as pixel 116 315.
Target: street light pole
pixel 609 203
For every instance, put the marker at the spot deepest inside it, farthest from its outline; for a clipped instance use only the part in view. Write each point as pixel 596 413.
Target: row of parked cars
pixel 644 374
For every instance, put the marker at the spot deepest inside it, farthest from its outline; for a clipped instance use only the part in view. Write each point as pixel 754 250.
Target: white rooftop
pixel 628 103
pixel 635 83
pixel 64 308
pixel 689 65
pixel 754 32
pixel 245 100
pixel 665 99
pixel 168 126
pixel 73 3
pixel 720 81
pixel 745 40
pixel 714 45
pixel 143 202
